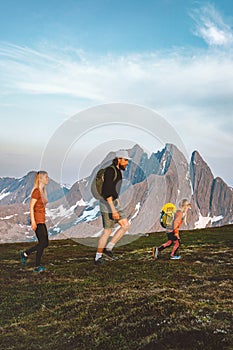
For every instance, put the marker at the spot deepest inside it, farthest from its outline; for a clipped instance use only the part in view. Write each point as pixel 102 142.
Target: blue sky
pixel 58 58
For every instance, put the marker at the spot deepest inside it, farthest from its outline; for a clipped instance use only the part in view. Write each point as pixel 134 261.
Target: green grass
pixel 133 303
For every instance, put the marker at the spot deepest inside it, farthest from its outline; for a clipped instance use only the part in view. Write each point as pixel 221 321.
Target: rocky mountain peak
pixel 18 190
pixel 201 179
pixel 151 181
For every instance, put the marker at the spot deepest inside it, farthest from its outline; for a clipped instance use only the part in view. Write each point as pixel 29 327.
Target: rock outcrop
pixel 211 196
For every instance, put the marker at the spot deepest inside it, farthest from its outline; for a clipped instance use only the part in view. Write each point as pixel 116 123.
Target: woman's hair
pixel 37 180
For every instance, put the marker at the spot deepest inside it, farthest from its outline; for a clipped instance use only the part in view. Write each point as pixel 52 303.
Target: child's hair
pixel 182 204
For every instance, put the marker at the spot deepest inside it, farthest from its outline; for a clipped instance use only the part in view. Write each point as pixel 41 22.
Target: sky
pixel 58 58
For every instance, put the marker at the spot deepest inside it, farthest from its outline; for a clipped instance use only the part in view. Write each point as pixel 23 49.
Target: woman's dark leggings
pixel 43 242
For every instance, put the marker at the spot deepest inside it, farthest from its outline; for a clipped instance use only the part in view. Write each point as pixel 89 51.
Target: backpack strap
pixel 115 171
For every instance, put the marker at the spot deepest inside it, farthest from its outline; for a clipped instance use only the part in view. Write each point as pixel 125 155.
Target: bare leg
pixel 121 231
pixel 103 239
pixel 176 247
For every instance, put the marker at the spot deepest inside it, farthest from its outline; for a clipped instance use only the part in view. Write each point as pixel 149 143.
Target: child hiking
pixel 173 232
pixel 37 214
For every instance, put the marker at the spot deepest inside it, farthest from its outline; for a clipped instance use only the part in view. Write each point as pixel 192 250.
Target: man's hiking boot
pixel 109 254
pixel 99 261
pixel 155 252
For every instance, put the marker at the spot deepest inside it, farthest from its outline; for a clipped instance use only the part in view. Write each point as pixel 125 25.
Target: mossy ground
pixel 133 303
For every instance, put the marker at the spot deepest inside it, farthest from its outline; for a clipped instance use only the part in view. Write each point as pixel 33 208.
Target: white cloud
pixel 192 89
pixel 147 78
pixel 159 80
pixel 211 27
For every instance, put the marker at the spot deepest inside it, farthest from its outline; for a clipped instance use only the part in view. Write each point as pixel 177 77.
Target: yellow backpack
pixel 167 215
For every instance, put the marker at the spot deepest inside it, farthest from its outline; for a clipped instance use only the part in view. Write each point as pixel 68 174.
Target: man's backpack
pixel 167 215
pixel 97 183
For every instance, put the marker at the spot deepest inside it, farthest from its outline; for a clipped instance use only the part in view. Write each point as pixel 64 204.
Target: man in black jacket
pixel 110 207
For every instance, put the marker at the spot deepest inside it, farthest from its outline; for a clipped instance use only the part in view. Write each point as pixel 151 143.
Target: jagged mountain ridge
pixel 148 183
pixel 14 190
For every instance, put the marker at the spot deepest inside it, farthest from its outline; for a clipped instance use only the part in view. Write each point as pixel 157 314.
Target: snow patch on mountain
pixel 137 208
pixel 163 167
pixel 89 214
pixel 82 203
pixel 8 217
pixel 203 221
pixel 4 194
pixel 26 199
pixel 61 211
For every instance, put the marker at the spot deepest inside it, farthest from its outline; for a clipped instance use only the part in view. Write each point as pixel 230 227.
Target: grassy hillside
pixel 134 303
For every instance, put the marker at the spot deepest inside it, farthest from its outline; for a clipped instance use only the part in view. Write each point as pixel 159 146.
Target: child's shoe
pixel 155 252
pixel 175 257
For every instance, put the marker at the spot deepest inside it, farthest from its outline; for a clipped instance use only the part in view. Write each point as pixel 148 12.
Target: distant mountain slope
pixel 148 183
pixel 14 190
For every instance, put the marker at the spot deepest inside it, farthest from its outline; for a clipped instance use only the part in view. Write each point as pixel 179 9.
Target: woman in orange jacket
pixel 37 213
pixel 173 235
